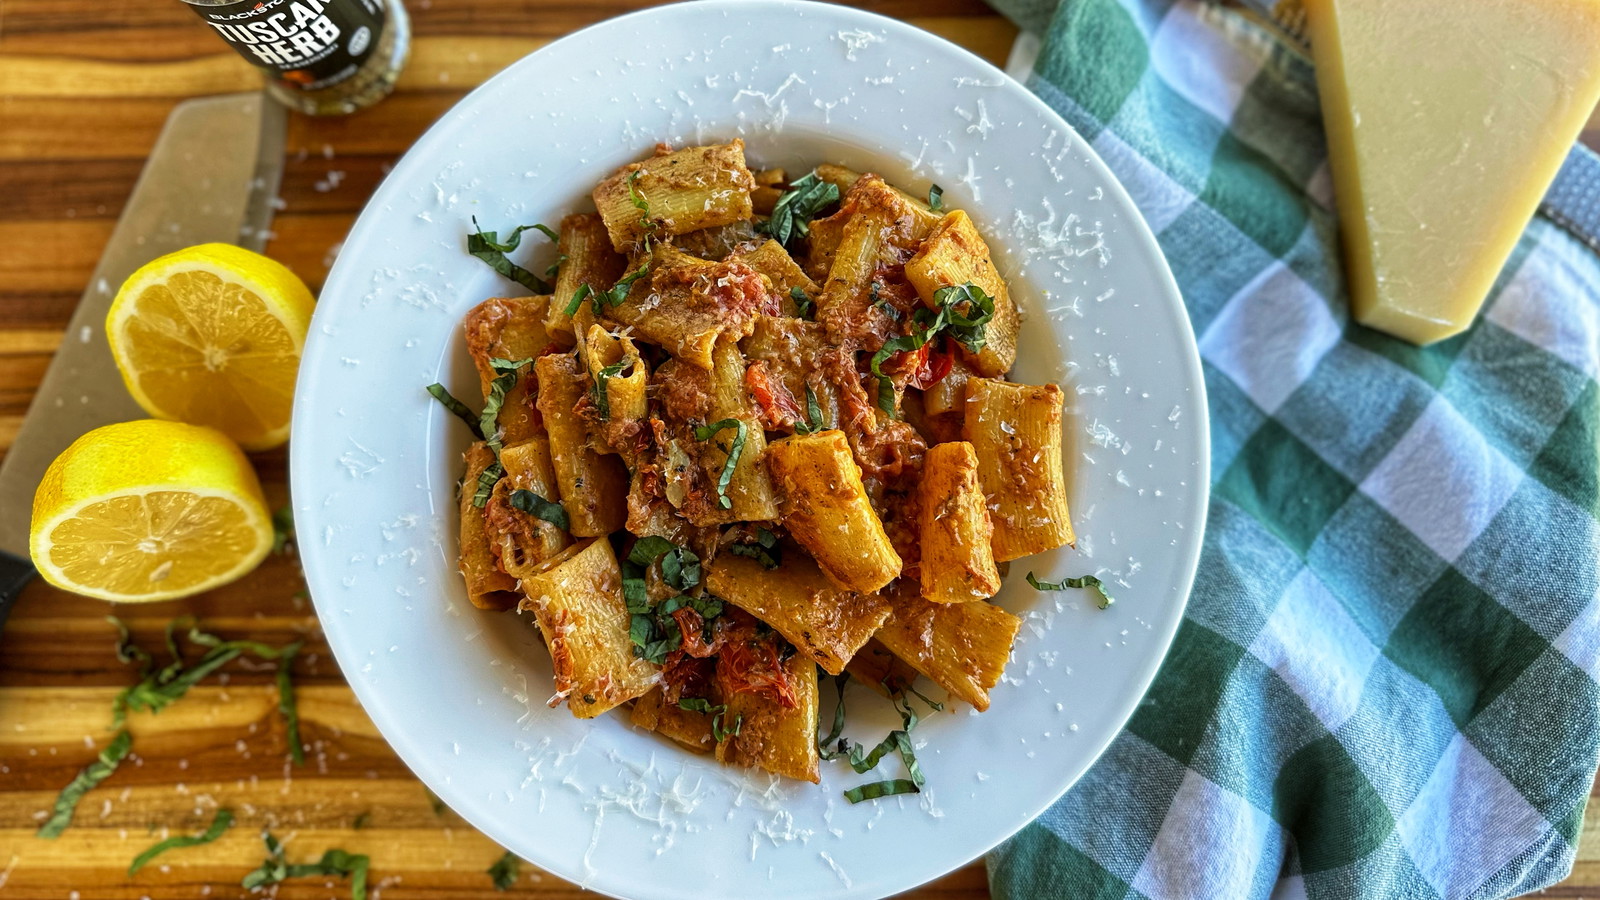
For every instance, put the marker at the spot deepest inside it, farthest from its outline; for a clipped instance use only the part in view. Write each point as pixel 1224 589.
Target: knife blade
pixel 212 175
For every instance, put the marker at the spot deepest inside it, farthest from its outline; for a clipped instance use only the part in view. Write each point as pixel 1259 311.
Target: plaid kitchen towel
pixel 1385 686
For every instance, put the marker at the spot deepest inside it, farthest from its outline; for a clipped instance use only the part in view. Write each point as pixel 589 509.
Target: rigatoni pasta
pixel 759 433
pixel 1015 430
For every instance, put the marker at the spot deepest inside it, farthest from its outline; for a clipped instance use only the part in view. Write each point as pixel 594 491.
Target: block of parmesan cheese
pixel 1446 123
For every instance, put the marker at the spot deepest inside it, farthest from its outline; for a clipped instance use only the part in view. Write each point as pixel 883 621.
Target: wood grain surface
pixel 85 86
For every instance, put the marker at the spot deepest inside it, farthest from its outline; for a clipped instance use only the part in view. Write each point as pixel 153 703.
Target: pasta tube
pixel 589 260
pixel 692 729
pixel 675 193
pixel 962 647
pixel 827 624
pixel 487 586
pixel 826 508
pixel 594 486
pixel 523 537
pixel 750 487
pixel 576 598
pixel 955 254
pixel 957 560
pixel 1016 431
pixel 779 740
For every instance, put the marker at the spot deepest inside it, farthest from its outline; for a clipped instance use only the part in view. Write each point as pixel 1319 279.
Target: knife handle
pixel 15 573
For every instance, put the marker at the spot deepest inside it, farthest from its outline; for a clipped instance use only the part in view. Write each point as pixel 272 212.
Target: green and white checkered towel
pixel 1386 683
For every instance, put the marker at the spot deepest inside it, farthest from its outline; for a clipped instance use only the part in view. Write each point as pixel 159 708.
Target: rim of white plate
pixel 344 283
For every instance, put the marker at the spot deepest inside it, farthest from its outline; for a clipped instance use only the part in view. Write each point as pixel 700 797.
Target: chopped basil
pixel 619 291
pixel 219 823
pixel 157 689
pixel 648 549
pixel 837 732
pixel 651 629
pixel 506 373
pixel 936 198
pixel 286 705
pixel 908 342
pixel 796 207
pixel 577 299
pixel 505 870
pixel 680 568
pixel 642 204
pixel 813 422
pixel 487 246
pixel 554 269
pixel 804 306
pixel 764 551
pixel 334 863
pixel 602 401
pixel 487 479
pixel 882 303
pixel 706 433
pixel 460 409
pixel 600 301
pixel 956 303
pixel 282 529
pixel 1082 581
pixel 881 789
pixel 970 330
pixel 82 783
pixel 701 705
pixel 361 821
pixel 898 740
pixel 539 507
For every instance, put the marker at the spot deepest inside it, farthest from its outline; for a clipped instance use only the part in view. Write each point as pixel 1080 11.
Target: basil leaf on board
pixel 221 822
pixel 455 406
pixel 282 529
pixel 538 507
pixel 334 863
pixel 286 705
pixel 84 782
pixel 1082 581
pixel 487 246
pixel 796 207
pixel 706 433
pixel 505 871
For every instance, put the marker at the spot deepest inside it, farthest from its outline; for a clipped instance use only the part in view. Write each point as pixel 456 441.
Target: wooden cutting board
pixel 85 86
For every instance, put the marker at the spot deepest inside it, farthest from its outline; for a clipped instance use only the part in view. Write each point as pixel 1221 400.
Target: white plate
pixel 460 693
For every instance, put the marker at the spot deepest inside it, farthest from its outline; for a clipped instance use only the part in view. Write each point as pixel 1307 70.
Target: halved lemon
pixel 212 336
pixel 148 510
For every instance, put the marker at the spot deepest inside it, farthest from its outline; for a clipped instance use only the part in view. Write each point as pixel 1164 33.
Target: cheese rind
pixel 1446 123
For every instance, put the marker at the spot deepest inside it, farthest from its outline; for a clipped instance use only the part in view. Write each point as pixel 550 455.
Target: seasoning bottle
pixel 321 57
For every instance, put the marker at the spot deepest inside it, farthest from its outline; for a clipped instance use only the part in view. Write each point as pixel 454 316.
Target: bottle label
pixel 307 44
